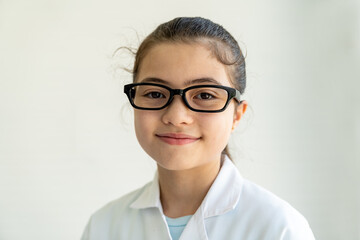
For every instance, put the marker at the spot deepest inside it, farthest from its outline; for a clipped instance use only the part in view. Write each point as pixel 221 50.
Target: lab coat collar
pixel 224 193
pixel 150 197
pixel 222 197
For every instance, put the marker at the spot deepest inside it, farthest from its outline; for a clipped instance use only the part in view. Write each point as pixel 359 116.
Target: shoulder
pixel 272 214
pixel 119 205
pixel 260 197
pixel 105 222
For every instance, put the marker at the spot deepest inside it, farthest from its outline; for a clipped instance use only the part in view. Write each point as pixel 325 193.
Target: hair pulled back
pixel 198 30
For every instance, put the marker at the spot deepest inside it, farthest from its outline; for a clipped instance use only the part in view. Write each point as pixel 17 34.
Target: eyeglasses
pixel 198 98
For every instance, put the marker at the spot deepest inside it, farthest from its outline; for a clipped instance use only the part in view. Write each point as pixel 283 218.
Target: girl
pixel 188 78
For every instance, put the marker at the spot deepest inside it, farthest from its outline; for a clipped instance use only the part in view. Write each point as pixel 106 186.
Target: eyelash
pixel 208 94
pixel 150 93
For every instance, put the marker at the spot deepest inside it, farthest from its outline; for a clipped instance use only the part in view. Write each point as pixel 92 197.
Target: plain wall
pixel 67 145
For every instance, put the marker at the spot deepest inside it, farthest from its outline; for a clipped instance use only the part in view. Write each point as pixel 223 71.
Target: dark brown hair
pixel 198 30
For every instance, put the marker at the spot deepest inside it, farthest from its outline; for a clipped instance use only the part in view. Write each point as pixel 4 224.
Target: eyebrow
pixel 187 83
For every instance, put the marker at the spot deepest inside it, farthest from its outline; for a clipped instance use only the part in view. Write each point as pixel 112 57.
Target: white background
pixel 67 145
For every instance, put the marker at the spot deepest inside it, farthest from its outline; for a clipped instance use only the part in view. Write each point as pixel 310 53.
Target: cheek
pixel 143 124
pixel 217 128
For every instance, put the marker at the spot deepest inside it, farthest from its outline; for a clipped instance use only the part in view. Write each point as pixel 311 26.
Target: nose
pixel 177 113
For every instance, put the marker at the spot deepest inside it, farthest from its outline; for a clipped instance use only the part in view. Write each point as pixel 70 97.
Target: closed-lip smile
pixel 177 138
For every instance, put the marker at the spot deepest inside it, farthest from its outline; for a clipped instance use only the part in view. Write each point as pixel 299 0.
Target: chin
pixel 175 163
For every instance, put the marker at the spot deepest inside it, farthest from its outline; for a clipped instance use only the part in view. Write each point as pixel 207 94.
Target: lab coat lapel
pixel 155 225
pixel 154 222
pixel 224 194
pixel 195 228
pixel 222 197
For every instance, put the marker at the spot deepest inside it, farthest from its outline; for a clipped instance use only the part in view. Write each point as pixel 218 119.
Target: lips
pixel 177 138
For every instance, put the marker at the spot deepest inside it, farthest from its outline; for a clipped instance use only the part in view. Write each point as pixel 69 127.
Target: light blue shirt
pixel 177 225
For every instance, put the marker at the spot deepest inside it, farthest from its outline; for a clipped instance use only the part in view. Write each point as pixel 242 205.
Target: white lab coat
pixel 234 208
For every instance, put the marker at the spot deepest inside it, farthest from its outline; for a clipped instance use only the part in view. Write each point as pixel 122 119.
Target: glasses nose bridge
pixel 179 92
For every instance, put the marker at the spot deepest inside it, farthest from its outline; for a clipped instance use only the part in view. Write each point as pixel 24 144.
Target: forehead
pixel 180 63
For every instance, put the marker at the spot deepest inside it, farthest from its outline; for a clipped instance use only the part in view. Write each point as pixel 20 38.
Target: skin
pixel 186 171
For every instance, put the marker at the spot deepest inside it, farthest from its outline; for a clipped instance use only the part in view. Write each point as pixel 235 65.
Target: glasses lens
pixel 148 96
pixel 207 98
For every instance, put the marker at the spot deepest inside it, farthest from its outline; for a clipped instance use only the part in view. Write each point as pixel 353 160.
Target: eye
pixel 154 95
pixel 204 96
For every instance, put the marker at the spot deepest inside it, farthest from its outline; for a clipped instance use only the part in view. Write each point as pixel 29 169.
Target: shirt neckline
pixel 178 222
pixel 222 196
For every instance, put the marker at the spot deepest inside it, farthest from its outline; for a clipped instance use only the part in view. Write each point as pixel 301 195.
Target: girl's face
pixel 176 137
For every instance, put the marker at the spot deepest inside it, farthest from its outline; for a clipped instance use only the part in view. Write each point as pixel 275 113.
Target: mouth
pixel 177 138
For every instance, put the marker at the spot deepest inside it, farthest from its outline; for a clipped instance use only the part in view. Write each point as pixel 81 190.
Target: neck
pixel 182 191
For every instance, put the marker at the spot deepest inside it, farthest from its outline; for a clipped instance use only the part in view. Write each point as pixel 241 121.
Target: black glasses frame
pixel 232 94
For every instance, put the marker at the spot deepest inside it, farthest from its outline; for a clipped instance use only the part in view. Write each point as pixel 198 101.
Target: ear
pixel 239 112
